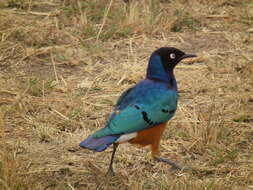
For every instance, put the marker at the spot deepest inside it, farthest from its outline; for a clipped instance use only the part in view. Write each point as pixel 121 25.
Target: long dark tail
pixel 98 144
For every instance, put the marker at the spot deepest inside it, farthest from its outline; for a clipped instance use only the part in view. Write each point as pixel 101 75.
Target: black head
pixel 163 61
pixel 170 57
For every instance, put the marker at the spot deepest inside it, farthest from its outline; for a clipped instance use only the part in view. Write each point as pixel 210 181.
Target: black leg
pixel 110 171
pixel 173 164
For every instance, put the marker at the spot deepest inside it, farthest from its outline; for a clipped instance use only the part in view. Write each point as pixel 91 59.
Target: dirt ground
pixel 64 63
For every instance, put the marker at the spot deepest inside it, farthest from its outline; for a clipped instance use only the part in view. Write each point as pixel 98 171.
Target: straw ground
pixel 64 63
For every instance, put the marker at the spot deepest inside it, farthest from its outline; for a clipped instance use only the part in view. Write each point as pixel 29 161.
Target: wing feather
pixel 140 115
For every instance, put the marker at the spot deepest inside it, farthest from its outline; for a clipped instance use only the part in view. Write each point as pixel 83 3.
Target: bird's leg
pixel 156 153
pixel 110 171
pixel 173 164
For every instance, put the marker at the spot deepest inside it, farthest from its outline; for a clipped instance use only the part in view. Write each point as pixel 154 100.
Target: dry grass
pixel 64 63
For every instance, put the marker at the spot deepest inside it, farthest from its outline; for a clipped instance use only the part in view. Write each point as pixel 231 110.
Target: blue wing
pixel 139 108
pixel 145 105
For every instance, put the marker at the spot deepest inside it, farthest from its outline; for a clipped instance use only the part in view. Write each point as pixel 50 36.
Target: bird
pixel 141 112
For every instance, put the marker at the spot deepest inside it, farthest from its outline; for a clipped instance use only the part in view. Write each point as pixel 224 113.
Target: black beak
pixel 187 56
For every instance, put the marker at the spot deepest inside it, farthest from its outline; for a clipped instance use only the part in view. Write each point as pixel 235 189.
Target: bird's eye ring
pixel 172 56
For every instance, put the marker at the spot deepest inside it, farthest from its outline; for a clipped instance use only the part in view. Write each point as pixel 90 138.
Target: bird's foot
pixel 110 172
pixel 173 164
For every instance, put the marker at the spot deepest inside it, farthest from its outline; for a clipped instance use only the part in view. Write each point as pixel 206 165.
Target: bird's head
pixel 163 61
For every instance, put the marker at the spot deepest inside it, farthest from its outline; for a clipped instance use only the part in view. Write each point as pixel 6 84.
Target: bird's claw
pixel 110 172
pixel 173 164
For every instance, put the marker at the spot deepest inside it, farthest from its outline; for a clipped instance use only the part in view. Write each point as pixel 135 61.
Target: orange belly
pixel 150 136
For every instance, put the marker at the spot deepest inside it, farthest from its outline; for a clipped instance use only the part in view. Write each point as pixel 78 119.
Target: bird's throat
pixel 156 70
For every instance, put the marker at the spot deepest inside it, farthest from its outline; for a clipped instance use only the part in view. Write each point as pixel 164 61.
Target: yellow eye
pixel 172 56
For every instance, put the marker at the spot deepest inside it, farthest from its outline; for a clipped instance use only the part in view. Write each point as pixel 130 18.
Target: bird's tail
pixel 98 144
